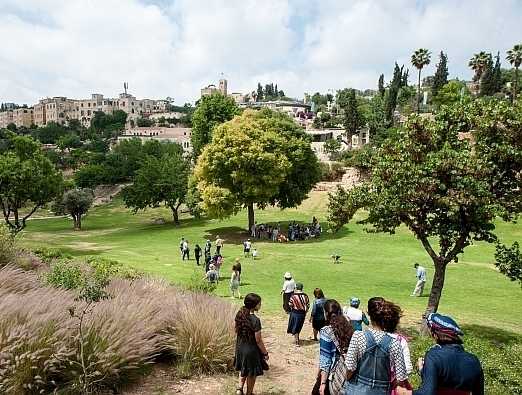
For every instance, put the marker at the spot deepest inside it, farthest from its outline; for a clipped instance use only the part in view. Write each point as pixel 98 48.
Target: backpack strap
pixel 385 343
pixel 370 340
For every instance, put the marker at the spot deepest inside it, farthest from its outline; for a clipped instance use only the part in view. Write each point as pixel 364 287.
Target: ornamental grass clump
pixel 42 351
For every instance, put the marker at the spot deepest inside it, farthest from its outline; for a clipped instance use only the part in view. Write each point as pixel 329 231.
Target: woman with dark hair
pixel 373 354
pixel 299 304
pixel 250 349
pixel 334 339
pixel 448 369
pixel 317 315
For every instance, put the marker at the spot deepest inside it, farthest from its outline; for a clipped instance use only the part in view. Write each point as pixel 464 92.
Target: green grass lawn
pixel 372 264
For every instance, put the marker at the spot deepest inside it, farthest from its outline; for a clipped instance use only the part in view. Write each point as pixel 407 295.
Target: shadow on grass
pixel 493 334
pixel 235 235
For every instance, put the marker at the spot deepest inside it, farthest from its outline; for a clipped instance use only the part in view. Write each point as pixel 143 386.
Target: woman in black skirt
pixel 299 305
pixel 250 349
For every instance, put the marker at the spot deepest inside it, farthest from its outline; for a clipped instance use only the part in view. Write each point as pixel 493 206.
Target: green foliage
pixel 380 85
pixel 50 133
pixel 49 255
pixel 442 187
pixel 144 122
pixel 332 171
pixel 509 261
pixel 352 117
pixel 193 198
pixel 159 180
pixel 419 59
pixel 361 158
pixel 197 283
pixel 452 93
pixel 488 83
pixel 77 202
pixel 332 147
pixel 8 246
pixel 211 111
pixel 65 274
pixel 109 125
pixel 478 64
pixel 260 157
pixel 441 74
pixel 27 178
pixel 89 176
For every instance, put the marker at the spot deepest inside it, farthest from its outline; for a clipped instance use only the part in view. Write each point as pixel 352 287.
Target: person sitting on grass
pixel 254 254
pixel 234 282
pixel 212 276
pixel 317 315
pixel 251 353
pixel 336 258
pixel 355 315
pixel 299 305
pixel 446 368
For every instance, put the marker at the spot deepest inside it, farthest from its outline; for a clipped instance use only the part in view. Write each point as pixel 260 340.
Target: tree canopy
pixel 28 180
pixel 446 187
pixel 211 111
pixel 159 179
pixel 77 202
pixel 260 157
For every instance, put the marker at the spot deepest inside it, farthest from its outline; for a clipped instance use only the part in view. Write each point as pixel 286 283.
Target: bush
pixel 8 249
pixel 331 171
pixel 65 274
pixel 122 336
pixel 49 255
pixel 199 284
pixel 360 158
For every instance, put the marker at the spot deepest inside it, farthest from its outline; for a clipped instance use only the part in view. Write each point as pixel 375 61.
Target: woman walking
pixel 238 267
pixel 317 315
pixel 355 315
pixel 234 282
pixel 250 349
pixel 287 291
pixel 334 339
pixel 373 354
pixel 299 305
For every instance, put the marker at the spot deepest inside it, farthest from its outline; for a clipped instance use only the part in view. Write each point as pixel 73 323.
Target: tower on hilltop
pixel 223 85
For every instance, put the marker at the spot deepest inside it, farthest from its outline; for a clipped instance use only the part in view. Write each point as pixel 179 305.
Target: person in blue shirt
pixel 317 318
pixel 446 368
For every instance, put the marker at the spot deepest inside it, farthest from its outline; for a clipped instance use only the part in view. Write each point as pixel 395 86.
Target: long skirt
pixel 295 322
pixel 286 299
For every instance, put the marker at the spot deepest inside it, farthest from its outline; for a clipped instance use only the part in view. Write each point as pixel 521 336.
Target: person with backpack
pixel 317 315
pixel 334 339
pixel 212 276
pixel 373 354
pixel 447 368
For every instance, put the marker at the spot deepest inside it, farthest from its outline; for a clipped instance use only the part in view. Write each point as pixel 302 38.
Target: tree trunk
pixel 515 86
pixel 436 286
pixel 418 93
pixel 175 215
pixel 250 216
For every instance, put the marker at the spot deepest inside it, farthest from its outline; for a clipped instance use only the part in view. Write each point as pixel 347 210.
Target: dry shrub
pixel 39 340
pixel 203 333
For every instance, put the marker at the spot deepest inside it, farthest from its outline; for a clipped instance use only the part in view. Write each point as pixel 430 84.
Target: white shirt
pixel 289 286
pixel 248 245
pixel 185 245
pixel 421 273
pixel 352 314
pixel 254 253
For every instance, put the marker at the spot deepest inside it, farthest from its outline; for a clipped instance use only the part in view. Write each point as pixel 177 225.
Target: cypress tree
pixel 497 74
pixel 441 75
pixel 381 85
pixel 487 82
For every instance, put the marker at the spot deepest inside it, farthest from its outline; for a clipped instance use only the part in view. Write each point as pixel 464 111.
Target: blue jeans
pixel 362 389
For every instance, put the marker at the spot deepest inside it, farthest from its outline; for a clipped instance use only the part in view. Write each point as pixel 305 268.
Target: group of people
pixel 294 232
pixel 360 353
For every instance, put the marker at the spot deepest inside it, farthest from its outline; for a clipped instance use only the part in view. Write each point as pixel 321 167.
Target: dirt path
pixel 292 369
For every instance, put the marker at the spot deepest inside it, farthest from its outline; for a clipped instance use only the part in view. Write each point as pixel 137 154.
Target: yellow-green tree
pixel 259 157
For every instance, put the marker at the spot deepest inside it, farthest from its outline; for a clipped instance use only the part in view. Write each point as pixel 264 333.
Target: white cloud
pixel 173 48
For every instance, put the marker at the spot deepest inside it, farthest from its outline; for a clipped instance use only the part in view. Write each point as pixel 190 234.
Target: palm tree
pixel 514 56
pixel 419 59
pixel 478 64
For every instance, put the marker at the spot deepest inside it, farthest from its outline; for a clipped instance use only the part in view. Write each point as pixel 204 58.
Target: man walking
pixel 219 245
pixel 181 246
pixel 185 251
pixel 421 280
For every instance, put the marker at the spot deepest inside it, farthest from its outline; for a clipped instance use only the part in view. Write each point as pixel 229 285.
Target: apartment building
pixel 23 117
pixel 6 117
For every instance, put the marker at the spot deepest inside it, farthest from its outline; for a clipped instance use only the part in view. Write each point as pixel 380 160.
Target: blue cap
pixel 355 302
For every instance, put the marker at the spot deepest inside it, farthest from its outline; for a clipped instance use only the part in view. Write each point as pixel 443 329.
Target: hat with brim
pixel 288 275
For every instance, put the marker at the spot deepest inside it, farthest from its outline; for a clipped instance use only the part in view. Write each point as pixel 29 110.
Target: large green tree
pixel 352 117
pixel 446 187
pixel 451 93
pixel 28 180
pixel 514 57
pixel 259 157
pixel 211 111
pixel 441 74
pixel 160 180
pixel 478 63
pixel 419 59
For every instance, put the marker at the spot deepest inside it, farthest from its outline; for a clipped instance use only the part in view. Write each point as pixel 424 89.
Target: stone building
pixel 162 134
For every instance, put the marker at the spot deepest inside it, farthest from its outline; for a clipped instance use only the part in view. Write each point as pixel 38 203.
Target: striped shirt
pixel 299 301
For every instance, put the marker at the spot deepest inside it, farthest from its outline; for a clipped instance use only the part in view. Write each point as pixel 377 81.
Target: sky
pixel 175 47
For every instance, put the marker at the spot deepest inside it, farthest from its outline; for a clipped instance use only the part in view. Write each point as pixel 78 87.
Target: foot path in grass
pixel 292 369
